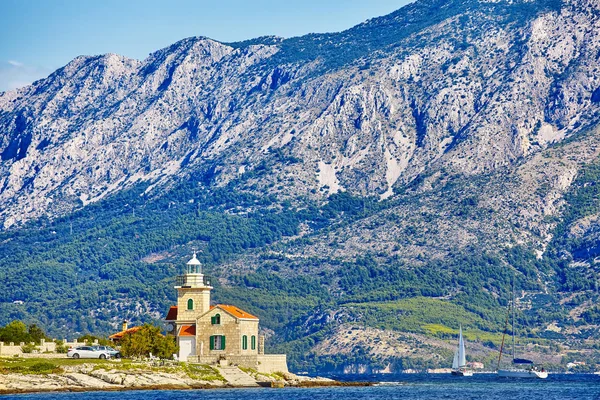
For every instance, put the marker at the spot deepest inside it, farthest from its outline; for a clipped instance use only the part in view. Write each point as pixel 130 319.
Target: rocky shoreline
pixel 92 377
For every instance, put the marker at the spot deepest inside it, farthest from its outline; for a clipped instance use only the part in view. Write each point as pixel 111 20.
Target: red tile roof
pixel 187 330
pixel 172 314
pixel 119 335
pixel 235 311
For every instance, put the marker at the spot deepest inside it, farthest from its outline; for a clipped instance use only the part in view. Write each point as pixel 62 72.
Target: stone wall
pixel 15 349
pixel 46 347
pixel 269 363
pixel 265 363
pixel 10 349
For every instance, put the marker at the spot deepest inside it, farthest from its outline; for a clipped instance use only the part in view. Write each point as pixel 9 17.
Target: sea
pixel 413 386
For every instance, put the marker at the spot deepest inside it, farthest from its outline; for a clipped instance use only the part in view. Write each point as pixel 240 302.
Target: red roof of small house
pixel 235 311
pixel 187 330
pixel 172 314
pixel 119 335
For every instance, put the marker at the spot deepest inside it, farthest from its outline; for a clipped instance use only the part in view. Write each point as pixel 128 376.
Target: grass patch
pixel 420 315
pixel 202 372
pixel 439 330
pixel 250 371
pixel 44 365
pixel 472 335
pixel 32 367
pixel 278 376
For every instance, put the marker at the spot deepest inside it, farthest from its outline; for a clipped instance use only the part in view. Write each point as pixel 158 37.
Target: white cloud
pixel 15 74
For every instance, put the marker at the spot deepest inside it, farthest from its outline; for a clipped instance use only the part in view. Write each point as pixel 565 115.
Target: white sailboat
pixel 521 368
pixel 459 364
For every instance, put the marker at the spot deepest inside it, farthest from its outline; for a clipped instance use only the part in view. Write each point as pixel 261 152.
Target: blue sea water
pixel 417 387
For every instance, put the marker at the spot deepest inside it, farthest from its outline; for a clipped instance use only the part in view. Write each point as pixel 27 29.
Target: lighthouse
pixel 193 292
pixel 219 333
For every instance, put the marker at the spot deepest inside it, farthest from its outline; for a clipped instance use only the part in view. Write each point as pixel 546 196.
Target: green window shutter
pixel 244 342
pixel 212 342
pixel 253 342
pixel 212 320
pixel 190 304
pixel 222 342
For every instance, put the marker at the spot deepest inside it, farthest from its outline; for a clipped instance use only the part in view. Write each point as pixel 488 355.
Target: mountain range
pixel 346 186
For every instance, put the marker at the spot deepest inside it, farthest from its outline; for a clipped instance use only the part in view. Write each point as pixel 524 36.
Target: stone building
pixel 220 333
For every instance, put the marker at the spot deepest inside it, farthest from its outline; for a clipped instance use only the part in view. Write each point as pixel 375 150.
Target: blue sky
pixel 39 36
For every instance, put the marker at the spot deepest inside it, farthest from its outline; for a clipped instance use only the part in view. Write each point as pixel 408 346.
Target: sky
pixel 39 36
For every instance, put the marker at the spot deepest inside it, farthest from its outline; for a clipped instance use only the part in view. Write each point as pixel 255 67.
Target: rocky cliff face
pixel 468 86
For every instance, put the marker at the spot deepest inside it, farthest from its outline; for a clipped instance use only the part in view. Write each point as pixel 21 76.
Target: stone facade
pixel 232 328
pixel 200 298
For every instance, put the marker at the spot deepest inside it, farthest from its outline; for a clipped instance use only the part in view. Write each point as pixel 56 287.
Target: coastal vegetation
pixel 148 341
pixel 36 366
pixel 16 331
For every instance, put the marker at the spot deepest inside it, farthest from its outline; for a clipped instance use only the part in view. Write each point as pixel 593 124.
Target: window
pixel 190 304
pixel 253 342
pixel 216 319
pixel 244 342
pixel 217 342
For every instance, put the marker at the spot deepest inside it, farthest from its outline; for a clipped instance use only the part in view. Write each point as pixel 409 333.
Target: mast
pixel 503 336
pixel 513 318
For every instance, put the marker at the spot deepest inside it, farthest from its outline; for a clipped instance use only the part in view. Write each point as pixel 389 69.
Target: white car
pixel 111 351
pixel 87 352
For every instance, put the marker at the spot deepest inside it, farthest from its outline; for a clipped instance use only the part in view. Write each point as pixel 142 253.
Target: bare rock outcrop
pixel 473 88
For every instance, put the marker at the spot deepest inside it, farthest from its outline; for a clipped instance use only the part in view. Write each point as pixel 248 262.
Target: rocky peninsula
pixel 26 376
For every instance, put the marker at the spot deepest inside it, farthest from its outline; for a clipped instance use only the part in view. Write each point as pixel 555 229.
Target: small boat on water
pixel 521 368
pixel 531 371
pixel 459 364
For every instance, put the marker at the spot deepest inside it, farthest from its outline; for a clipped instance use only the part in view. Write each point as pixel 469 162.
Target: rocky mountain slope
pixel 474 87
pixel 431 153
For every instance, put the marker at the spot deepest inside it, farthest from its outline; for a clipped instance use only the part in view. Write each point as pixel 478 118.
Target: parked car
pixel 87 352
pixel 114 353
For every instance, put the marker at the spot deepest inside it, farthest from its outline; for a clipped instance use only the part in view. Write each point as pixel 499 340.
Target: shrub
pixel 61 348
pixel 28 348
pixel 44 367
pixel 148 340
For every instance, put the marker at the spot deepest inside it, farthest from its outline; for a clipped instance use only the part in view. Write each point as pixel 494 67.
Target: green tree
pixel 36 333
pixel 15 331
pixel 146 340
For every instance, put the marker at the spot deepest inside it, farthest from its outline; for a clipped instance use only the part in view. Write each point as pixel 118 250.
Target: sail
pixel 455 361
pixel 462 358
